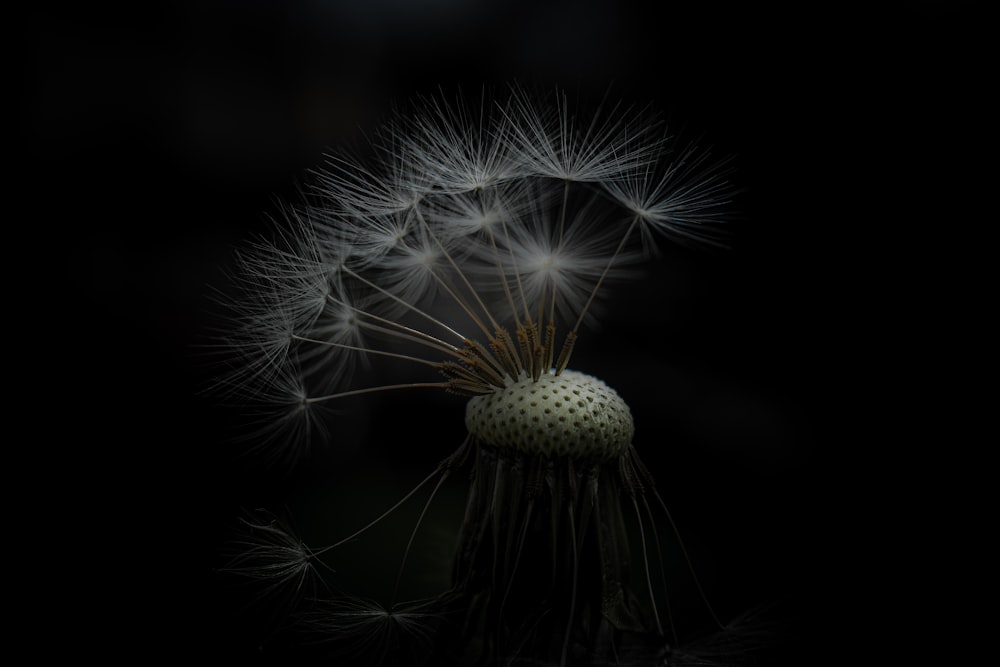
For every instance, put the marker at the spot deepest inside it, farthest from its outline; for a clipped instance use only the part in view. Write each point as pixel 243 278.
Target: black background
pixel 157 140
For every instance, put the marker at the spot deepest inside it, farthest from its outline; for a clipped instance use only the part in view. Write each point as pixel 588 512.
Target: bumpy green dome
pixel 573 415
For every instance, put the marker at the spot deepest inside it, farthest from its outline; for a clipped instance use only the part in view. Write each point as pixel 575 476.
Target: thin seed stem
pixel 600 281
pixel 659 560
pixel 572 598
pixel 409 305
pixel 550 344
pixel 413 533
pixel 458 270
pixel 640 468
pixel 416 334
pixel 645 562
pixel 455 460
pixel 522 538
pixel 384 514
pixel 562 210
pixel 370 390
pixel 384 353
pixel 517 273
pixel 552 305
pixel 687 560
pixel 461 303
pixel 503 278
pixel 412 336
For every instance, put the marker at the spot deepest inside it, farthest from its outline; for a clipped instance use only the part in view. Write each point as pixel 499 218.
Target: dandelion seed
pixel 459 147
pixel 350 190
pixel 563 267
pixel 268 555
pixel 365 632
pixel 553 141
pixel 280 421
pixel 683 200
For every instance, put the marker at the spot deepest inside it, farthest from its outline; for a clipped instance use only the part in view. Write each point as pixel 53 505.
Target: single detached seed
pixel 601 432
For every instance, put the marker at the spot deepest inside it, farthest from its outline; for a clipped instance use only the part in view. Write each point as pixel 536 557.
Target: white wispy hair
pixel 484 211
pixel 552 140
pixel 559 266
pixel 682 199
pixel 270 556
pixel 365 631
pixel 457 147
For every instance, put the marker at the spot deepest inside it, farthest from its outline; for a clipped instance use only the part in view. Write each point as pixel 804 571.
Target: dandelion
pixel 468 252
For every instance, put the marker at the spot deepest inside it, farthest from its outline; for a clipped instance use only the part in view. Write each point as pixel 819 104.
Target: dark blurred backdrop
pixel 158 139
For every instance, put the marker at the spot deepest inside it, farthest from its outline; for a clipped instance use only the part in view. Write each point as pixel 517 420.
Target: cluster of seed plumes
pixel 462 239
